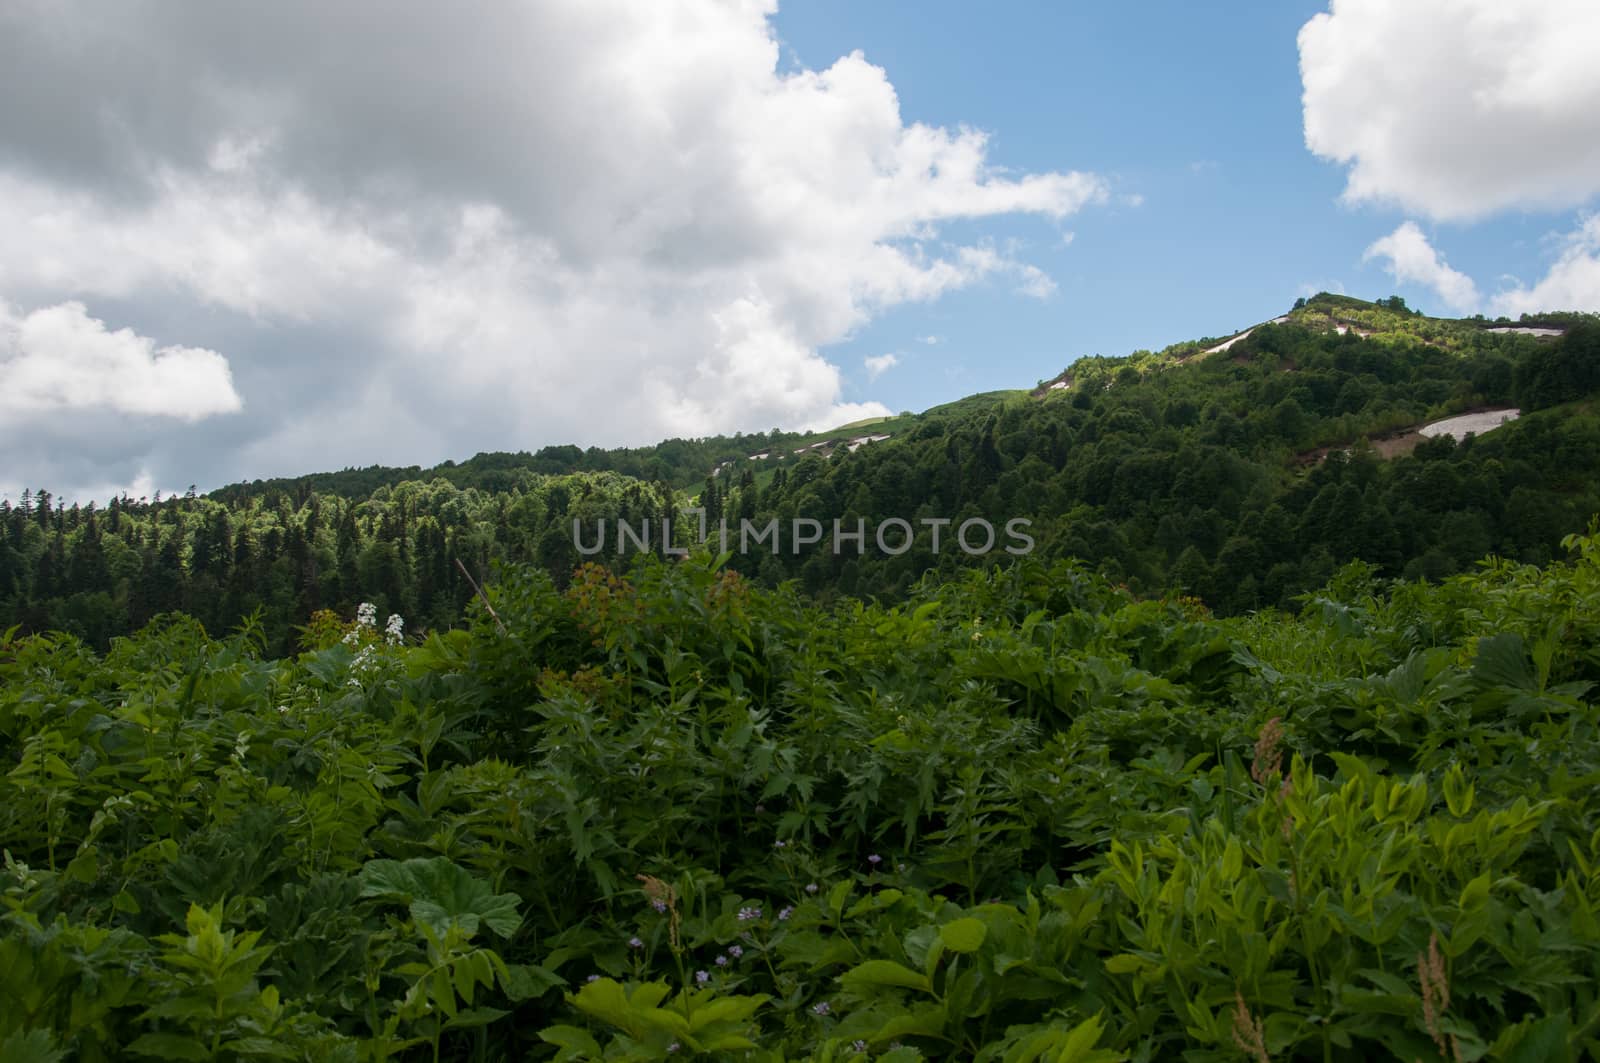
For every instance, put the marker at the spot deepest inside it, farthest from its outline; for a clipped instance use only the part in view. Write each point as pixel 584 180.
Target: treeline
pixel 98 573
pixel 1244 478
pixel 676 462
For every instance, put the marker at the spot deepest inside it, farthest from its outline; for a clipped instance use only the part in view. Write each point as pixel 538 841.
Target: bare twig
pixel 498 622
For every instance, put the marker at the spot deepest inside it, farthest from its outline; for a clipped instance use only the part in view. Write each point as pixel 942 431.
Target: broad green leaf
pixel 1502 661
pixel 963 935
pixel 886 973
pixel 30 1046
pixel 523 981
pixel 442 894
pixel 925 1020
pixel 1541 1040
pixel 472 1017
pixel 576 1045
pixel 726 1009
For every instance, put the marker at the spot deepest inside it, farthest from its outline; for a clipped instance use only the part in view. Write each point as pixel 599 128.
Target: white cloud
pixel 879 364
pixel 1410 259
pixel 60 360
pixel 586 220
pixel 1456 108
pixel 931 340
pixel 1034 282
pixel 1573 282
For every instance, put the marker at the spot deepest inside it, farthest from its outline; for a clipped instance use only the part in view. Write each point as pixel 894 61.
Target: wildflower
pixel 822 1008
pixel 780 844
pixel 874 859
pixel 858 1045
pixel 735 951
pixel 722 961
pixel 760 809
pixel 702 977
pixel 664 899
pixel 1248 1033
pixel 394 629
pixel 635 943
pixel 592 978
pixel 812 887
pixel 747 914
pixel 673 1047
pixel 1268 762
pixel 1436 997
pixel 785 912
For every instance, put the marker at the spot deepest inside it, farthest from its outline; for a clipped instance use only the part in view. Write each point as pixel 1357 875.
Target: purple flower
pixel 785 913
pixel 822 1008
pixel 722 961
pixel 735 951
pixel 859 1045
pixel 874 859
pixel 660 906
pixel 812 888
pixel 747 914
pixel 592 978
pixel 702 977
pixel 779 844
pixel 634 942
pixel 673 1047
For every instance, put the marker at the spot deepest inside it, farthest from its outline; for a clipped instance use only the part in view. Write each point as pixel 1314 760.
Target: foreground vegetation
pixel 1021 816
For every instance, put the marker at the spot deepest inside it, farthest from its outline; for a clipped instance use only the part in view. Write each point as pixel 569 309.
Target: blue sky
pixel 1194 108
pixel 324 239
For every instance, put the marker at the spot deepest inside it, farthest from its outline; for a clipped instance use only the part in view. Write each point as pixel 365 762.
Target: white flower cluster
pixel 367 620
pixel 363 664
pixel 366 617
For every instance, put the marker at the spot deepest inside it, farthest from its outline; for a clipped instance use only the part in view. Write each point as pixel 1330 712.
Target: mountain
pixel 1240 470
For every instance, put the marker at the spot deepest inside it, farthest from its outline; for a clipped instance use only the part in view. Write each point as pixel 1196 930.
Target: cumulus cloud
pixel 1411 259
pixel 1455 109
pixel 587 220
pixel 879 364
pixel 1573 282
pixel 60 360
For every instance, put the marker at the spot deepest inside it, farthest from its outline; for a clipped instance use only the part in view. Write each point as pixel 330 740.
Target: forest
pixel 1244 478
pixel 669 814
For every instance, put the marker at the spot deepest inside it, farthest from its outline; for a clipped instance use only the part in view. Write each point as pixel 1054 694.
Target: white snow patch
pixel 1465 424
pixel 1225 344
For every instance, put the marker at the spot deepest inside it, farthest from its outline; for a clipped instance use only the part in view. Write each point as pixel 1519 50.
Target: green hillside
pixel 1244 478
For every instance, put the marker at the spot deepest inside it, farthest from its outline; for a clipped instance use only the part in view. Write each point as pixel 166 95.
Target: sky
pixel 244 241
